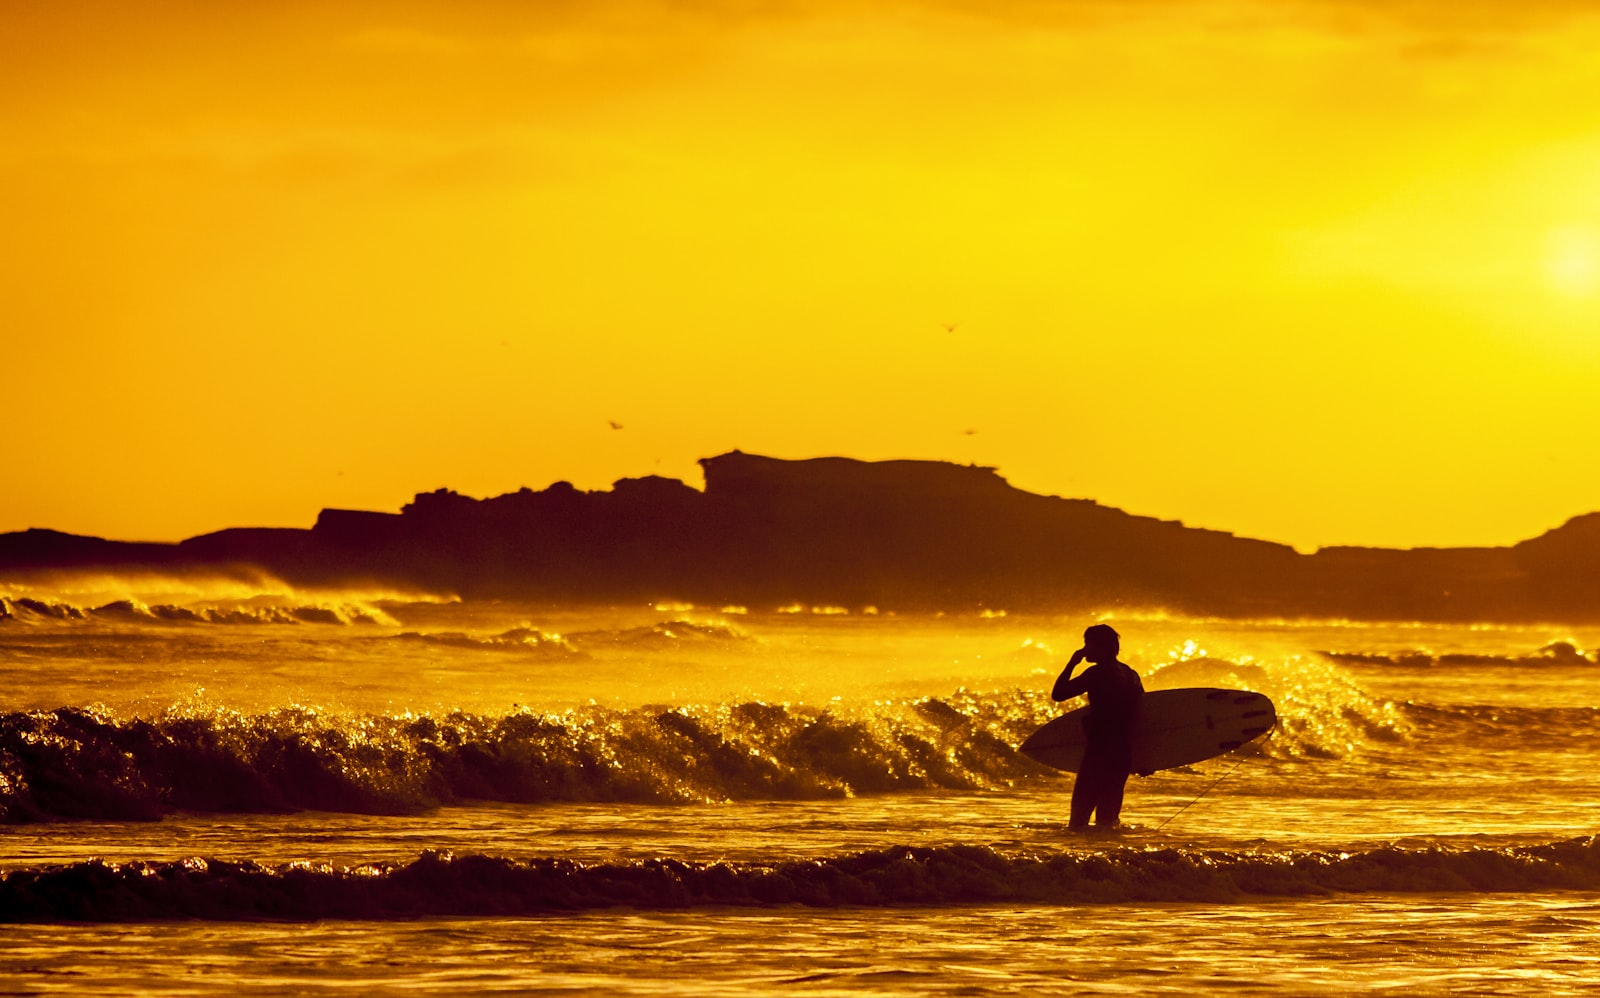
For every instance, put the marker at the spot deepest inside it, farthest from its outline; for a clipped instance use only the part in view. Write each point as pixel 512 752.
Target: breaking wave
pixel 525 639
pixel 668 633
pixel 129 611
pixel 89 763
pixel 528 639
pixel 521 640
pixel 1554 728
pixel 441 884
pixel 77 763
pixel 1322 714
pixel 1554 653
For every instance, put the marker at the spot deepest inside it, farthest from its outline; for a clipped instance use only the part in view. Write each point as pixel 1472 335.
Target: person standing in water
pixel 1114 693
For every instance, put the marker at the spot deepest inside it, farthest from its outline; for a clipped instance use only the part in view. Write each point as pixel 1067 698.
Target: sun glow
pixel 1572 263
pixel 522 243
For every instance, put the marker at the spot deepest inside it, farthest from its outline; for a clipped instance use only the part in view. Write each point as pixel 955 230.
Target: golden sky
pixel 1315 272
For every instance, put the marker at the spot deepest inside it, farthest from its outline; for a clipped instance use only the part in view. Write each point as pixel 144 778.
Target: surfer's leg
pixel 1108 806
pixel 1084 793
pixel 1114 765
pixel 1090 788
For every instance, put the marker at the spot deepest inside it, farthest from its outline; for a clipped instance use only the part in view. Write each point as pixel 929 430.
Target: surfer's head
pixel 1101 643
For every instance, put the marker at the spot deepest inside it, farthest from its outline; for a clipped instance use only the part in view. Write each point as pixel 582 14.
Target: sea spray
pixel 1322 713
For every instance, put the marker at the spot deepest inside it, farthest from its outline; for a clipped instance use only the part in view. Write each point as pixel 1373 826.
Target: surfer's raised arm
pixel 1065 688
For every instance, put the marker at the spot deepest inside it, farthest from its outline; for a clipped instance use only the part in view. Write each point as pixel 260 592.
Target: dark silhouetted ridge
pixel 894 534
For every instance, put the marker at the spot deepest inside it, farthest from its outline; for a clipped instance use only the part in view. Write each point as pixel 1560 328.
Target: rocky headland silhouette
pixel 904 535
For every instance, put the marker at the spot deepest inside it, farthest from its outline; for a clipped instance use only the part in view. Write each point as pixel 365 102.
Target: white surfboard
pixel 1175 728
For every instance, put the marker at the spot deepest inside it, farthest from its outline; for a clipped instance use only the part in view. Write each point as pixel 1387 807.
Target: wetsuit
pixel 1114 694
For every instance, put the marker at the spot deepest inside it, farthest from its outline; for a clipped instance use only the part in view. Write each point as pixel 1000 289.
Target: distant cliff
pixel 894 534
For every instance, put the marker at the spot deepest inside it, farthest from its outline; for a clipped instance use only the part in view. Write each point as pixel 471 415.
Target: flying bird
pixel 614 424
pixel 950 327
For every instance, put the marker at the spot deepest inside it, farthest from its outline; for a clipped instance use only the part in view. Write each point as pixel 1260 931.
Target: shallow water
pixel 1419 824
pixel 1429 945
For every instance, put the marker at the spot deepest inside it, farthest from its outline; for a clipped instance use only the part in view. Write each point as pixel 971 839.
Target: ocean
pixel 219 789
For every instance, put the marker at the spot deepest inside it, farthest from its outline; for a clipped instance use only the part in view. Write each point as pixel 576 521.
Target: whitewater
pixel 273 792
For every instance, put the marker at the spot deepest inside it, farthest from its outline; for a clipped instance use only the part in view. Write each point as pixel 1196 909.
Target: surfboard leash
pixel 1241 761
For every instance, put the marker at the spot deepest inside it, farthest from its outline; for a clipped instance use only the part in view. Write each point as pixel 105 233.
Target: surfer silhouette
pixel 1114 693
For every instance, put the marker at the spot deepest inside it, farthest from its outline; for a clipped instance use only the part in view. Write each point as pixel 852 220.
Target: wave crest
pixel 666 633
pixel 89 763
pixel 523 640
pixel 442 884
pixel 131 611
pixel 1555 653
